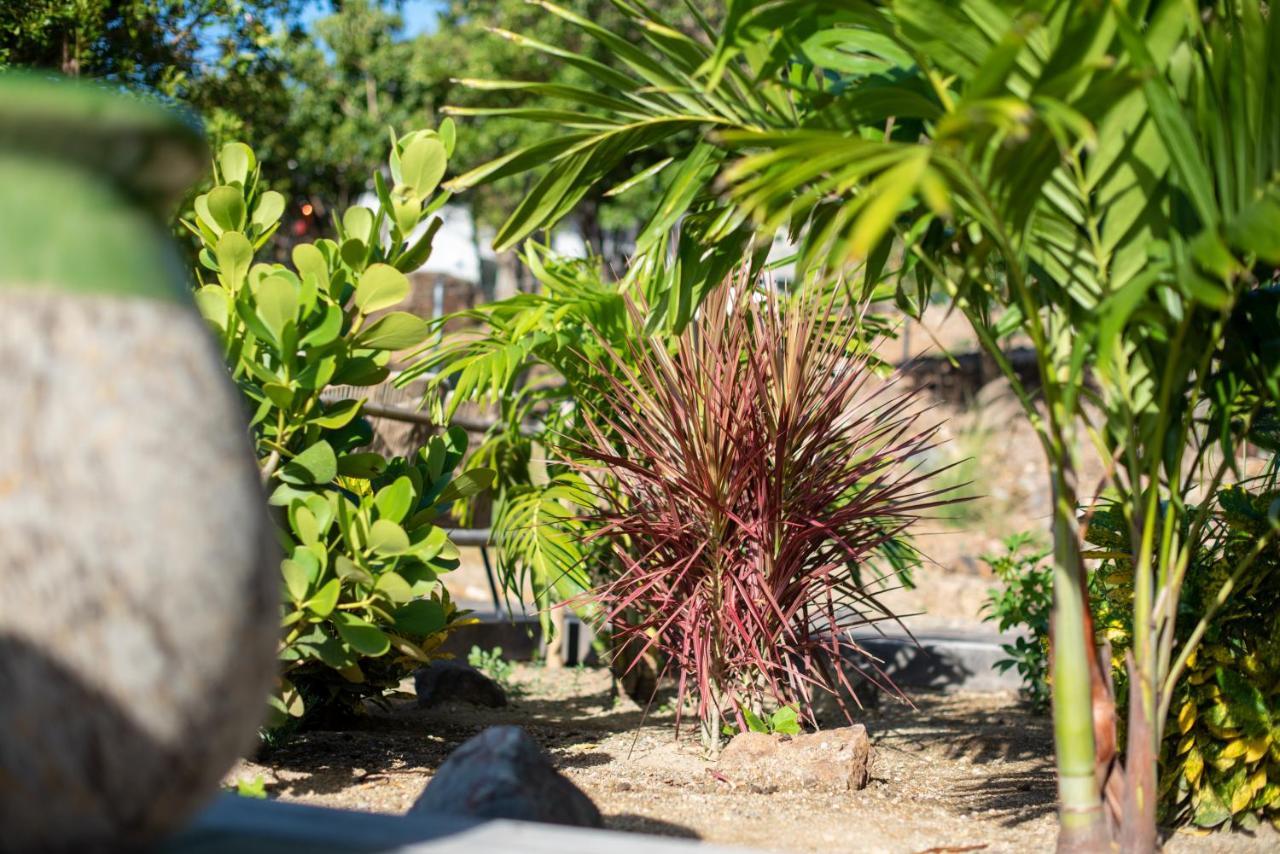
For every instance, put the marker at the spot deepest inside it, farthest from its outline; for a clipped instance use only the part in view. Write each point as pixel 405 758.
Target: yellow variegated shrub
pixel 1220 757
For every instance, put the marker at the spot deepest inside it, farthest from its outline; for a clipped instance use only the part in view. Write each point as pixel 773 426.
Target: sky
pixel 419 15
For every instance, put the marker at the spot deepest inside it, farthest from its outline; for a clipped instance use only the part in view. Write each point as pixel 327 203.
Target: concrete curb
pixel 954 661
pixel 248 826
pixel 960 659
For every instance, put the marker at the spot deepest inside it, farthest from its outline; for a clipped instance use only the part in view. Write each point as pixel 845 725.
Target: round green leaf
pixel 393 501
pixel 316 465
pixel 235 162
pixel 394 587
pixel 395 331
pixel 279 394
pixel 326 598
pixel 234 254
pixel 213 305
pixel 387 538
pixel 268 210
pixel 204 216
pixel 363 465
pixel 226 206
pixel 328 329
pixel 277 299
pixel 349 570
pixel 422 165
pixel 309 260
pixel 422 617
pixel 295 579
pixel 432 544
pixel 305 524
pixel 363 636
pixel 354 252
pixel 406 213
pixel 380 286
pixel 357 222
pixel 338 414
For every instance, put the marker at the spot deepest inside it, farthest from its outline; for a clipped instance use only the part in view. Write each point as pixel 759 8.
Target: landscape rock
pixel 502 773
pixel 831 760
pixel 456 681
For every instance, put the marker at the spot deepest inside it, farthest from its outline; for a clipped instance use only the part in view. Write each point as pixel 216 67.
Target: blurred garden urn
pixel 138 596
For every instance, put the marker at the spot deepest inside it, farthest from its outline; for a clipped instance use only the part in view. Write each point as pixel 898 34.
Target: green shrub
pixel 528 357
pixel 1220 756
pixel 1024 600
pixel 493 665
pixel 362 604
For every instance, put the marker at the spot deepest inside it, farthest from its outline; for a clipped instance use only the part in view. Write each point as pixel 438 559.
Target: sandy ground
pixel 959 772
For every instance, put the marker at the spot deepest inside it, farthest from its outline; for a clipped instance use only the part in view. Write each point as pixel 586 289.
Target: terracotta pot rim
pixel 152 149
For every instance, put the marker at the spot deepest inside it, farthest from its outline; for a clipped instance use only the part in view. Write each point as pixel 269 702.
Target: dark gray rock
pixel 502 773
pixel 456 681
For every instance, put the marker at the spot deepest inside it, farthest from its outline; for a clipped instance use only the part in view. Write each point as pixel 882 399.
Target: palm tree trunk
pixel 1138 825
pixel 1082 822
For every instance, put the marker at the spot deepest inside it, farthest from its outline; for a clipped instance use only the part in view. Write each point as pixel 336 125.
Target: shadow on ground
pixel 1010 750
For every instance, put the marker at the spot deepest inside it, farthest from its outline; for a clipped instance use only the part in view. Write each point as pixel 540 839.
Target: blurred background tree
pixel 313 85
pixel 180 49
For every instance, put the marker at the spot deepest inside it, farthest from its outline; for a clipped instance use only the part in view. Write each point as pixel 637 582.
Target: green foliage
pixel 784 721
pixel 493 665
pixel 529 359
pixel 1220 755
pixel 222 58
pixel 1024 601
pixel 156 44
pixel 350 74
pixel 362 604
pixel 1219 758
pixel 481 46
pixel 255 788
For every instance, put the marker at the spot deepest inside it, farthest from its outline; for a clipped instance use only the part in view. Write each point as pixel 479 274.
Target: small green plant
pixel 493 665
pixel 1024 600
pixel 255 788
pixel 362 603
pixel 784 721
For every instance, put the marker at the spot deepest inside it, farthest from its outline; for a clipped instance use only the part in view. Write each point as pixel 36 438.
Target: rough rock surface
pixel 456 681
pixel 831 760
pixel 502 773
pixel 139 604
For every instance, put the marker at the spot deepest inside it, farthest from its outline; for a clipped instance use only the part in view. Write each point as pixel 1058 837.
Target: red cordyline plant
pixel 750 480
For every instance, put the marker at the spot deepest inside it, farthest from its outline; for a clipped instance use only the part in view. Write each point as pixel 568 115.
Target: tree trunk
pixel 1138 826
pixel 1082 822
pixel 554 658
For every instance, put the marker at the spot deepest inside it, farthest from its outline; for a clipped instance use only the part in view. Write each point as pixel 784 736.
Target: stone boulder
pixel 502 773
pixel 832 760
pixel 456 681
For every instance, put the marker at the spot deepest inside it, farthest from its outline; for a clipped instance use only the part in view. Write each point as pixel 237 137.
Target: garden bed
pixel 960 772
